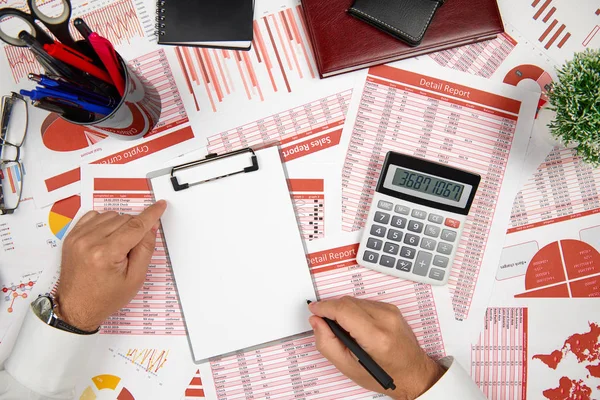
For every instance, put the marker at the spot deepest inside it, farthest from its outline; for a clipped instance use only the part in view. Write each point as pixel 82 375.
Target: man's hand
pixel 104 264
pixel 382 332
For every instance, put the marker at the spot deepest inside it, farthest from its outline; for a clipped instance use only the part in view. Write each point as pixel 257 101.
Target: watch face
pixel 42 307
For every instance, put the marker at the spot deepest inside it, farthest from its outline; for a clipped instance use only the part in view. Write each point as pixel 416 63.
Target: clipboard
pixel 236 250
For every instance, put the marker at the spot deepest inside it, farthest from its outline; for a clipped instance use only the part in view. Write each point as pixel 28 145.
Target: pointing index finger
pixel 131 233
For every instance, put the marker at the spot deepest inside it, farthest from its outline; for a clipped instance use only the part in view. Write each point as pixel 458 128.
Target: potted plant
pixel 575 100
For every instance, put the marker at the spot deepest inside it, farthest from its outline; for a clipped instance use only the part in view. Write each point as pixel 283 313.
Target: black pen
pixel 57 67
pixel 364 359
pixel 66 111
pixel 82 28
pixel 85 31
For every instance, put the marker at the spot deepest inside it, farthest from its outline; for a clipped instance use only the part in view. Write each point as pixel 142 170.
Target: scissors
pixel 59 26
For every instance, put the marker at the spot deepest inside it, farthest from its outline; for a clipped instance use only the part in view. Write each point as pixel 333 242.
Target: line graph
pixel 151 360
pixel 21 62
pixel 118 22
pixel 279 60
pixel 14 292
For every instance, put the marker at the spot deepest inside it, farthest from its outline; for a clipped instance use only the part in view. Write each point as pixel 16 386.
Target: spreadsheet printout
pixel 294 368
pixel 452 118
pixel 155 310
pixel 527 352
pixel 552 248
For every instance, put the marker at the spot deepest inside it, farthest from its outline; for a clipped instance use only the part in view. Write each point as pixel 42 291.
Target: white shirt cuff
pixel 454 384
pixel 48 360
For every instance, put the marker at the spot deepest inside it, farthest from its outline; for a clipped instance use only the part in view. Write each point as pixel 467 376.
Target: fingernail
pixel 162 202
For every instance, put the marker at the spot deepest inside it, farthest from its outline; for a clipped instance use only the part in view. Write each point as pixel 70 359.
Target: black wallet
pixel 406 20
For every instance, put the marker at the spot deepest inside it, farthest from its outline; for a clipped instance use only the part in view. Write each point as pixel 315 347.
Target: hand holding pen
pixel 382 332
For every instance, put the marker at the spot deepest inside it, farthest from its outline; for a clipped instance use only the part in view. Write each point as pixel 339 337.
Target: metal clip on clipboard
pixel 212 157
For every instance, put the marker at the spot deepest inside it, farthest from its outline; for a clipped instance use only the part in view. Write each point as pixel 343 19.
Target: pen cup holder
pixel 137 112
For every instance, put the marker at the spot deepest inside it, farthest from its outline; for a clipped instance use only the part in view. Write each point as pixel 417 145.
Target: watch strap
pixel 62 325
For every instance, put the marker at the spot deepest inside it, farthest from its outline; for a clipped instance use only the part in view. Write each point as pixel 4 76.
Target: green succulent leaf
pixel 576 99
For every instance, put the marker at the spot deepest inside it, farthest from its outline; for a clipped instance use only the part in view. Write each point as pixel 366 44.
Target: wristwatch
pixel 44 307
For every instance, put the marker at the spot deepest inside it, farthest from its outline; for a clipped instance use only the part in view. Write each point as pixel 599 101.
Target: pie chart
pixel 60 135
pixel 106 382
pixel 567 268
pixel 62 214
pixel 533 72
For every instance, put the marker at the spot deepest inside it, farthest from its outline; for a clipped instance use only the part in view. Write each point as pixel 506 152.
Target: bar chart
pixel 280 59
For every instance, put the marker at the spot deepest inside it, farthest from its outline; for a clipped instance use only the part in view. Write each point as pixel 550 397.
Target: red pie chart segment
pixel 589 287
pixel 545 276
pixel 581 259
pixel 545 268
pixel 550 292
pixel 60 135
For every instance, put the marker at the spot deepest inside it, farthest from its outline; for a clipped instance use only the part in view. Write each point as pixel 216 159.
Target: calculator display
pixel 428 184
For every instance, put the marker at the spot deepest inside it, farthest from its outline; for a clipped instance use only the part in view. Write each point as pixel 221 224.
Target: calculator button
pixel 411 239
pixel 374 244
pixel 385 205
pixel 449 235
pixel 391 248
pixel 428 244
pixel 378 231
pixel 407 252
pixel 444 248
pixel 399 222
pixel 422 263
pixel 394 235
pixel 419 214
pixel 432 230
pixel 436 219
pixel 371 257
pixel 440 261
pixel 415 226
pixel 437 274
pixel 387 261
pixel 452 223
pixel 400 209
pixel 382 218
pixel 404 265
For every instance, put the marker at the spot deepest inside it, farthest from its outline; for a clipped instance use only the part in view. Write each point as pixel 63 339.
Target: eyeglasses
pixel 13 128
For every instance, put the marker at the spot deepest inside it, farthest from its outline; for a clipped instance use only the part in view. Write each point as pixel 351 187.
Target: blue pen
pixel 59 94
pixel 64 86
pixel 69 96
pixel 43 94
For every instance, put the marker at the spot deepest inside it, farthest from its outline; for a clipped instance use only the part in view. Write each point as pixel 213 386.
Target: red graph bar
pixel 598 11
pixel 589 37
pixel 186 76
pixel 300 14
pixel 555 36
pixel 549 14
pixel 287 84
pixel 548 30
pixel 535 3
pixel 542 8
pixel 282 42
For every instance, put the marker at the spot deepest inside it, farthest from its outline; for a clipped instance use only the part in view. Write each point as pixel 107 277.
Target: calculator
pixel 416 218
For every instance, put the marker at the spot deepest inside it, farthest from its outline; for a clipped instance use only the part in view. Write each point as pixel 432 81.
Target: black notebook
pixel 206 23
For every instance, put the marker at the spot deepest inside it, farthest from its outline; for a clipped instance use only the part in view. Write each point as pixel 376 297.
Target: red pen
pixel 107 54
pixel 77 60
